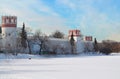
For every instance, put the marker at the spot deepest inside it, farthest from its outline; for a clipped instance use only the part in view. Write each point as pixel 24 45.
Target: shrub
pixel 106 50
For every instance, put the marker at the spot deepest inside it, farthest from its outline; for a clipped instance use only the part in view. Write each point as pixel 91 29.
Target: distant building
pixel 76 34
pixel 88 38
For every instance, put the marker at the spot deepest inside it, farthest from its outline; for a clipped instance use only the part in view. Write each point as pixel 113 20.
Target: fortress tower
pixel 76 34
pixel 79 44
pixel 9 24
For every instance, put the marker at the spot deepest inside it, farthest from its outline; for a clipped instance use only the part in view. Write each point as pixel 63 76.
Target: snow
pixel 19 56
pixel 65 67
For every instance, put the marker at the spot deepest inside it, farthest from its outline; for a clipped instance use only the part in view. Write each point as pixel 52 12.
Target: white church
pixel 8 38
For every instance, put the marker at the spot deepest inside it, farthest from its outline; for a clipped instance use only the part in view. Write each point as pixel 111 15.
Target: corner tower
pixel 76 34
pixel 9 24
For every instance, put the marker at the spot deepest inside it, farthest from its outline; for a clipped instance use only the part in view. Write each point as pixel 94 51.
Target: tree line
pixel 107 46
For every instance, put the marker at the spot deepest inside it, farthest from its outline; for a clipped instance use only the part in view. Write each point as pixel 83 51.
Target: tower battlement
pixel 9 21
pixel 76 34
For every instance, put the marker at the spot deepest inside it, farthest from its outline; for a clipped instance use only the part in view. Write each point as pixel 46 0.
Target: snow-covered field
pixel 76 67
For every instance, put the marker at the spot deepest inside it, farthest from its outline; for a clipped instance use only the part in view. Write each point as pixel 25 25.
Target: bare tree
pixel 86 47
pixel 41 40
pixel 29 39
pixel 109 46
pixel 57 34
pixel 55 49
pixel 63 49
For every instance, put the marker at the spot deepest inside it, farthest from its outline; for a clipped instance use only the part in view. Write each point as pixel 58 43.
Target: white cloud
pixel 69 3
pixel 84 16
pixel 24 10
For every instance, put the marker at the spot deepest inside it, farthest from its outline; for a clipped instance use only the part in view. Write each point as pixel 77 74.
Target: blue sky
pixel 98 18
